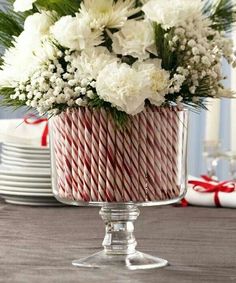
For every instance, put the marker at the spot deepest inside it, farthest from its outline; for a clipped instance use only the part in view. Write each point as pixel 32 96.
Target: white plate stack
pixel 25 176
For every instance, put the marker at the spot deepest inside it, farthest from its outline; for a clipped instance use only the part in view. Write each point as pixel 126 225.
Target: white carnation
pixel 23 5
pixel 123 87
pixel 157 80
pixel 172 12
pixel 107 13
pixel 92 61
pixel 39 23
pixel 135 38
pixel 74 33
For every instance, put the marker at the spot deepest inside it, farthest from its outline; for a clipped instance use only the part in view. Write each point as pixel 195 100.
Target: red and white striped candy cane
pixel 166 113
pixel 153 167
pixel 134 158
pixel 102 157
pixel 87 154
pixel 119 168
pixel 143 154
pixel 77 182
pixel 58 141
pixel 174 151
pixel 95 154
pixel 68 154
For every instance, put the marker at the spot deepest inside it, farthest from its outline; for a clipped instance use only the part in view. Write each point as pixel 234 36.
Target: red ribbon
pixel 211 186
pixel 44 139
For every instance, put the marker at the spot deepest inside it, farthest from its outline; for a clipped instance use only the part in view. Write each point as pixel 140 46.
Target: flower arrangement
pixel 120 55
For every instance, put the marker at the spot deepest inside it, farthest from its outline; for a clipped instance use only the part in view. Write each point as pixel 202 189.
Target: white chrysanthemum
pixel 123 87
pixel 107 13
pixel 23 5
pixel 157 79
pixel 29 50
pixel 92 61
pixel 75 33
pixel 22 60
pixel 172 12
pixel 135 38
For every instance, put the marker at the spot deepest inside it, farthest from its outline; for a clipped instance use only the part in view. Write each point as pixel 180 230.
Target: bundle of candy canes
pixel 99 162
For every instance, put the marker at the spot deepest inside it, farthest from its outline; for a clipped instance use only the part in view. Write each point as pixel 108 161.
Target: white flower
pixel 75 33
pixel 123 87
pixel 135 38
pixel 172 13
pixel 107 13
pixel 23 5
pixel 39 23
pixel 29 50
pixel 157 80
pixel 92 61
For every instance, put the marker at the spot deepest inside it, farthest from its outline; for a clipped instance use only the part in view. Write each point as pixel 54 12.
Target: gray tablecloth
pixel 37 245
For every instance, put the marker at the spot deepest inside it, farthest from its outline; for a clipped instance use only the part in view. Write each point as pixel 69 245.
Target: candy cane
pixel 95 155
pixel 119 168
pixel 178 121
pixel 102 158
pixel 134 158
pixel 112 192
pixel 77 182
pixel 58 145
pixel 167 135
pixel 143 154
pixel 87 154
pixel 67 154
pixel 152 164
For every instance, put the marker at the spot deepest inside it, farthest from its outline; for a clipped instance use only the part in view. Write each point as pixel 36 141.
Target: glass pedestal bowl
pixel 96 163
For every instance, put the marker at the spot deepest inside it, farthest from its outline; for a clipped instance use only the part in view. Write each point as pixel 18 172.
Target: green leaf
pixel 167 56
pixel 62 7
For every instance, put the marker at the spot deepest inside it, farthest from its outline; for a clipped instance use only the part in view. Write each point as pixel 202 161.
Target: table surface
pixel 37 245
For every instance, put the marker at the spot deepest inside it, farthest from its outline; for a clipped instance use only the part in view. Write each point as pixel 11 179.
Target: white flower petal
pixel 75 33
pixel 135 39
pixel 172 13
pixel 23 5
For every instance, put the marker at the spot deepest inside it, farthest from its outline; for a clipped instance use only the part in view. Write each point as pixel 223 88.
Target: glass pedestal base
pixel 133 261
pixel 119 242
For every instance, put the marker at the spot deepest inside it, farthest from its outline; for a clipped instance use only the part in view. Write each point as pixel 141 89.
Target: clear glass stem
pixel 233 169
pixel 119 221
pixel 119 242
pixel 212 163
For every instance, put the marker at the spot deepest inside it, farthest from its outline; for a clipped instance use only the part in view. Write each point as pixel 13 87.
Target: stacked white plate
pixel 25 176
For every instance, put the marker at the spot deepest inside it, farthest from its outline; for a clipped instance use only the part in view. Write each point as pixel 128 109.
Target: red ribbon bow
pixel 44 139
pixel 211 186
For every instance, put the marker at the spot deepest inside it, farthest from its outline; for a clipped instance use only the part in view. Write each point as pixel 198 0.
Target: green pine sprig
pixel 6 100
pixel 222 13
pixel 11 25
pixel 120 118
